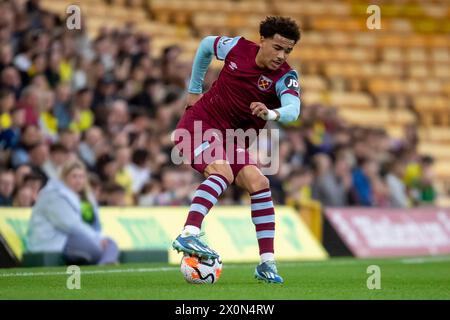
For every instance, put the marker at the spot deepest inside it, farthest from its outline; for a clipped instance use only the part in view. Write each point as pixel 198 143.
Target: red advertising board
pixel 392 232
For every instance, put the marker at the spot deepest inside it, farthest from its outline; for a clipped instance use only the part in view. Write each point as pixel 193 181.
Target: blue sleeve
pixel 209 46
pixel 201 63
pixel 287 89
pixel 290 108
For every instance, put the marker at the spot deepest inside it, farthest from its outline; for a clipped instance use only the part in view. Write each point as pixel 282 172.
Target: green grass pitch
pixel 337 278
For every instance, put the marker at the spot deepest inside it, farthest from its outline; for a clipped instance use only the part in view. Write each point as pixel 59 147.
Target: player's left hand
pixel 259 109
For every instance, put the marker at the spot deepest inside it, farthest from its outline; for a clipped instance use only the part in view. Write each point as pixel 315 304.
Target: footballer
pixel 255 85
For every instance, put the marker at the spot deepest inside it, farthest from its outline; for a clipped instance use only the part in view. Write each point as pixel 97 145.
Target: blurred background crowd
pixel 113 103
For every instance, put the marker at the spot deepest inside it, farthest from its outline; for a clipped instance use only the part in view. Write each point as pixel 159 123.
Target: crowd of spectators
pixel 109 103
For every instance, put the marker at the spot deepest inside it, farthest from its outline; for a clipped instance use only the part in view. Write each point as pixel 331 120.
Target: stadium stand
pixel 358 84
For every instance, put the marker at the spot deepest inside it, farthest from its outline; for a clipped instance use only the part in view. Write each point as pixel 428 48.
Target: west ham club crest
pixel 264 83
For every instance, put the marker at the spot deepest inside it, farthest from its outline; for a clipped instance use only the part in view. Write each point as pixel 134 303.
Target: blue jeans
pixel 81 250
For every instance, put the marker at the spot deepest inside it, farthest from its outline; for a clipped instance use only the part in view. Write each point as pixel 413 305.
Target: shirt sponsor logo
pixel 291 83
pixel 232 66
pixel 264 83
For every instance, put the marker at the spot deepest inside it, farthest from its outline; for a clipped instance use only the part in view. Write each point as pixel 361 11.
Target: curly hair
pixel 284 26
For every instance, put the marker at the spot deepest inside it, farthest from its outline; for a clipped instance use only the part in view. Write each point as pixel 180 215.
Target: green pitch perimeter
pixel 338 278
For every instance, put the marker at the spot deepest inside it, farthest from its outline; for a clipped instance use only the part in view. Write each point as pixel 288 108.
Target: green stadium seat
pixel 43 259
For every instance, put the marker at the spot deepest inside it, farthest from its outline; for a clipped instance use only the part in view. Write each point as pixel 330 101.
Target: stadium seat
pixel 437 150
pixel 350 100
pixel 313 82
pixel 374 118
pixel 436 134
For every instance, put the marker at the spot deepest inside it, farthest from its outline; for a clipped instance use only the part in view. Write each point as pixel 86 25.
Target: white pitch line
pixel 129 270
pixel 425 260
pixel 163 269
pixel 232 266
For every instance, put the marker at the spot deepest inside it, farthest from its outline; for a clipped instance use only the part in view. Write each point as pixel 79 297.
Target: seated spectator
pixel 380 191
pixel 20 174
pixel 105 92
pixel 48 123
pixel 175 188
pixel 96 185
pixel 69 139
pixel 7 101
pixel 35 182
pixel 58 156
pixel 139 169
pixel 10 138
pixel 10 78
pixel 83 117
pixel 28 101
pixel 361 180
pixel 117 116
pixel 145 99
pixel 6 188
pixel 149 193
pixel 38 155
pixel 23 197
pixel 299 187
pixel 91 146
pixel 114 195
pixel 65 219
pixel 327 187
pixel 428 193
pixel 123 175
pixel 62 105
pixel 106 168
pixel 397 189
pixel 29 136
pixel 343 173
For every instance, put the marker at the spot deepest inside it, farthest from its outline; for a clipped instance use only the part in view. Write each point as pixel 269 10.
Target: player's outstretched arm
pixel 202 60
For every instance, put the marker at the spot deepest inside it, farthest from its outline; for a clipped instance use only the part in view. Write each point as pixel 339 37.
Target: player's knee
pixel 259 183
pixel 252 180
pixel 223 169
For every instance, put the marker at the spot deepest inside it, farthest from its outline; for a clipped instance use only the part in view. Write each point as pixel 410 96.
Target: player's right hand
pixel 192 98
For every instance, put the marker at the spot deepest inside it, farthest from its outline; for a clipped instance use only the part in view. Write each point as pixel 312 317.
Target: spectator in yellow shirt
pixel 7 102
pixel 123 176
pixel 83 117
pixel 48 123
